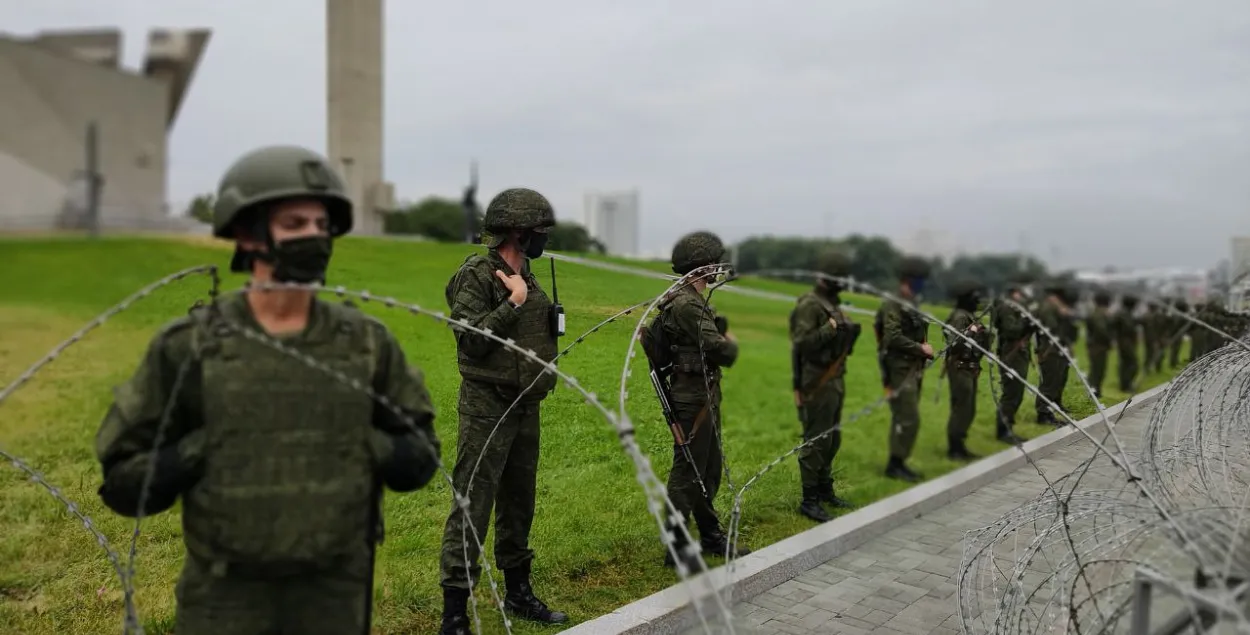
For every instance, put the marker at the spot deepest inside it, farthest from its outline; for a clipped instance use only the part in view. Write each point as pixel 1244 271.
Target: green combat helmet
pixel 516 208
pixel 913 267
pixel 834 263
pixel 271 174
pixel 697 249
pixel 1102 298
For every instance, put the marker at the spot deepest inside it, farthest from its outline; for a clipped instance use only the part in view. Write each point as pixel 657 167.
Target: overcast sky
pixel 1095 131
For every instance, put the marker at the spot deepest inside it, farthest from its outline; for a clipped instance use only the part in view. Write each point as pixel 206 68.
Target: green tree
pixel 569 236
pixel 434 217
pixel 201 208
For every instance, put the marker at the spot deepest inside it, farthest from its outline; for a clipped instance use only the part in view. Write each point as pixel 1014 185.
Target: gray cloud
pixel 1062 121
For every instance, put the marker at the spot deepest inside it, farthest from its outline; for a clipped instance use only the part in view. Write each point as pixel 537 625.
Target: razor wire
pixel 657 498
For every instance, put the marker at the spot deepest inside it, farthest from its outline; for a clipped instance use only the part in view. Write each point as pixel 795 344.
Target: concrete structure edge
pixel 670 611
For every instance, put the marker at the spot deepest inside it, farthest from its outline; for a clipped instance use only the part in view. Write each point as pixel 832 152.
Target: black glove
pixel 406 462
pixel 722 324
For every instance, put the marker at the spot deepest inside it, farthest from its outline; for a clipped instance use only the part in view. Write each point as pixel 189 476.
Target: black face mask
pixel 535 244
pixel 968 303
pixel 829 289
pixel 301 260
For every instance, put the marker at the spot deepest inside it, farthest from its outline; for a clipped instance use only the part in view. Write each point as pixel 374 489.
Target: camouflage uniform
pixel 1098 340
pixel 1152 336
pixel 900 333
pixel 963 366
pixel 1124 324
pixel 1178 327
pixel 821 338
pixel 698 349
pixel 502 450
pixel 1051 363
pixel 280 465
pixel 1013 332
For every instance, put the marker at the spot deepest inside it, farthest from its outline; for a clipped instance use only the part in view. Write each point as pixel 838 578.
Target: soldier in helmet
pixel 1054 314
pixel 821 338
pixel 279 464
pixel 1124 324
pixel 903 349
pixel 1098 340
pixel 700 345
pixel 498 291
pixel 963 365
pixel 1013 332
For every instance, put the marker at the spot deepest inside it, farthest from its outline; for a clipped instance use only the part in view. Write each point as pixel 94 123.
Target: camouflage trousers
pixel 1013 389
pixel 963 389
pixel 213 601
pixel 1097 366
pixel 904 410
pixel 820 413
pixel 505 481
pixel 1152 353
pixel 1128 367
pixel 694 480
pixel 1174 355
pixel 1053 367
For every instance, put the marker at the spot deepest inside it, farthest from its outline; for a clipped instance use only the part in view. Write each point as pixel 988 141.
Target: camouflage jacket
pixel 1124 325
pixel 188 366
pixel 960 352
pixel 699 349
pixel 1098 335
pixel 477 296
pixel 1013 331
pixel 818 348
pixel 1051 317
pixel 902 331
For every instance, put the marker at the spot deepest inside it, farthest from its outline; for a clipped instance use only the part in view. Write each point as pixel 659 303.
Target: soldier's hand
pixel 833 324
pixel 927 348
pixel 516 286
pixel 798 398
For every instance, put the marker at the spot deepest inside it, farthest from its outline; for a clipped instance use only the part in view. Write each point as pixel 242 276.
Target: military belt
pixel 268 570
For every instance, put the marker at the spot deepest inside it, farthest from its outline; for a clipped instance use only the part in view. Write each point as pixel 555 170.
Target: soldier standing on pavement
pixel 1124 324
pixel 903 349
pixel 280 465
pixel 1013 348
pixel 821 338
pixel 498 291
pixel 1098 340
pixel 963 365
pixel 1053 366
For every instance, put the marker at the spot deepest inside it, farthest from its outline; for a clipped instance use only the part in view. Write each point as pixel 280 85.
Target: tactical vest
pixel 842 338
pixel 505 366
pixel 686 358
pixel 289 479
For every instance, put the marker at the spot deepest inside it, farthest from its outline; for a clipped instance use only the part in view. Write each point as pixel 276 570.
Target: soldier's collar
pixel 502 264
pixel 238 312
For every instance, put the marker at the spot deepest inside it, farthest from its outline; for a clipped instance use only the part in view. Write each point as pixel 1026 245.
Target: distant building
pixel 1190 284
pixel 54 86
pixel 613 219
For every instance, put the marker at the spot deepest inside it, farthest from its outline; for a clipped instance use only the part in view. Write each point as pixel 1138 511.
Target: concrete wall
pixel 354 46
pixel 49 99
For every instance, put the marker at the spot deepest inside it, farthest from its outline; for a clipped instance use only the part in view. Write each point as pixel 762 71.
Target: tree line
pixel 874 258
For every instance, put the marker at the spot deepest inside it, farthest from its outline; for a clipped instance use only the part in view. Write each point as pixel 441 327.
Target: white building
pixel 612 218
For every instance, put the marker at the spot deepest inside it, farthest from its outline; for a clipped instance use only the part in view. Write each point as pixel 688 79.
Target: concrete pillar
pixel 354 45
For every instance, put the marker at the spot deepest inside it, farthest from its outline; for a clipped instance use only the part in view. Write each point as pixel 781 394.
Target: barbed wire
pixel 1165 508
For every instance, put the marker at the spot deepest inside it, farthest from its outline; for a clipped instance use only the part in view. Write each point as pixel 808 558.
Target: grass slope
pixel 597 547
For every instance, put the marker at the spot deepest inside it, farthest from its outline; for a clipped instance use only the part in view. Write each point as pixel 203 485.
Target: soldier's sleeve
pixel 124 443
pixel 892 337
pixel 407 451
pixel 700 325
pixel 473 302
pixel 959 321
pixel 812 330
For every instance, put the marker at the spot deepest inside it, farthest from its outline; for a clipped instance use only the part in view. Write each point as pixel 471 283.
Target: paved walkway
pixel 905 582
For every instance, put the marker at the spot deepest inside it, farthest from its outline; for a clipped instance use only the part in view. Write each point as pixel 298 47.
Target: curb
pixel 670 612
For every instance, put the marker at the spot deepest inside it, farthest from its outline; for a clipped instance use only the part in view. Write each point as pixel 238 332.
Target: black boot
pixel 811 508
pixel 825 492
pixel 958 452
pixel 1045 417
pixel 455 612
pixel 521 602
pixel 714 543
pixel 897 470
pixel 693 561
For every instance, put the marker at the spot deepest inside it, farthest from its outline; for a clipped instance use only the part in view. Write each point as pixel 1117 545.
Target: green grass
pixel 597 547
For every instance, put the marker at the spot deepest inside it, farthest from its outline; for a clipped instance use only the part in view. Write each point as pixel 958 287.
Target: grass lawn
pixel 597 546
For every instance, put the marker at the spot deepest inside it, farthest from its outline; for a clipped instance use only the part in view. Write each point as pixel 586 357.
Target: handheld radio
pixel 557 311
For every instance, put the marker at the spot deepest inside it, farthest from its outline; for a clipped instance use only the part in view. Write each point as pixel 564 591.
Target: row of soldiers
pixel 281 465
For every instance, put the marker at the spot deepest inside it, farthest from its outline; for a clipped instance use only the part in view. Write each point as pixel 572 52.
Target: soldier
pixel 1013 332
pixel 903 350
pixel 1179 327
pixel 1054 314
pixel 280 465
pixel 821 338
pixel 1098 340
pixel 498 291
pixel 699 345
pixel 1152 332
pixel 963 365
pixel 1124 325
